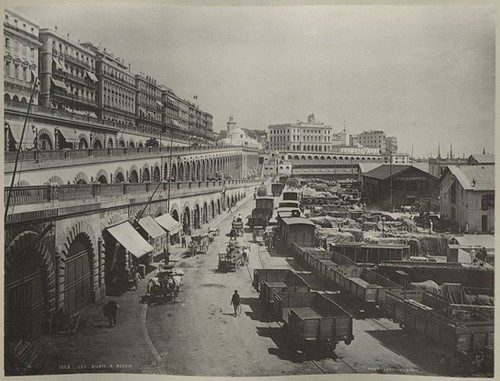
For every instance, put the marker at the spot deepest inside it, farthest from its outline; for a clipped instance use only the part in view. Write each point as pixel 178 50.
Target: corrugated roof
pixel 488 158
pixel 475 177
pixel 384 171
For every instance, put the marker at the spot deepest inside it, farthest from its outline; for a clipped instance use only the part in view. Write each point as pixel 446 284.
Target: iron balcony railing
pixel 40 194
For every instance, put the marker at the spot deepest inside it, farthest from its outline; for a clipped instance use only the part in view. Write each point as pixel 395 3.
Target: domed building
pixel 237 137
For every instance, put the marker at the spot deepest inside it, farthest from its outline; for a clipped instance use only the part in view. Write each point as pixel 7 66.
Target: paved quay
pixel 127 347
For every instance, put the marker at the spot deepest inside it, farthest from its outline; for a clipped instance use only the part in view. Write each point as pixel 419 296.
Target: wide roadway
pixel 198 334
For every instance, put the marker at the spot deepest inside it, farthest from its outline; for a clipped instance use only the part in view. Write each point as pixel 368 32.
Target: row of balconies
pixel 41 194
pixel 72 59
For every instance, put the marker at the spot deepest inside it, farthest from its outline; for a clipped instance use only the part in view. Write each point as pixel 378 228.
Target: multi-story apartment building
pixel 339 139
pixel 391 145
pixel 310 136
pixel 397 158
pixel 373 139
pixel 116 87
pixel 20 56
pixel 149 108
pixel 171 110
pixel 67 74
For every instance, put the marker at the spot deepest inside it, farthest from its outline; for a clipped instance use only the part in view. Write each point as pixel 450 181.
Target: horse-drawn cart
pixel 234 257
pixel 199 244
pixel 166 283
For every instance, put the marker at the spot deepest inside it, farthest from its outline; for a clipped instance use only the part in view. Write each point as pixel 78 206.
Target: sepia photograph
pixel 249 191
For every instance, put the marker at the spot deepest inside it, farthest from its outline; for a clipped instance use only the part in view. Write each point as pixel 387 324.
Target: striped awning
pixel 169 223
pixel 70 134
pixel 92 76
pixel 16 129
pixel 130 239
pixel 59 84
pixel 151 227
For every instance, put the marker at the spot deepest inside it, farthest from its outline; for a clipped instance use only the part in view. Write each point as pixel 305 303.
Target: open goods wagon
pixel 368 253
pixel 412 310
pixel 268 281
pixel 337 270
pixel 315 323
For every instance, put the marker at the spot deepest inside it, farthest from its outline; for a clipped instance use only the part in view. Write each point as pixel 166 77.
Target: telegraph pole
pixel 390 176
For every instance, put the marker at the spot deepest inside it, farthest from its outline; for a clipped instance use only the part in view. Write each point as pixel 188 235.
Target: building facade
pixel 116 89
pixel 67 74
pixel 310 136
pixel 467 197
pixel 20 57
pixel 149 107
pixel 392 186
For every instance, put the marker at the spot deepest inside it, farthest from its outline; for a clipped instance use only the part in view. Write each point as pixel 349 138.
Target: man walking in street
pixel 235 301
pixel 183 239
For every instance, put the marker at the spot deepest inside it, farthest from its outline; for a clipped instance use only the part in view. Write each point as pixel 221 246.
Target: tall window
pixel 16 71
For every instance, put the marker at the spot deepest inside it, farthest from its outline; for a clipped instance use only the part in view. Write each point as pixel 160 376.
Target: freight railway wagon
pixel 315 323
pixel 365 253
pixel 366 285
pixel 269 281
pixel 454 332
pixel 262 212
pixel 276 189
pixel 289 195
pixel 295 230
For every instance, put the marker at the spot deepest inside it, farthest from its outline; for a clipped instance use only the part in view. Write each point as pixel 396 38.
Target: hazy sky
pixel 424 74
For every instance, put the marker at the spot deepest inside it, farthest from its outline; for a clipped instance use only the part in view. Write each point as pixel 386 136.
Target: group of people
pixel 478 257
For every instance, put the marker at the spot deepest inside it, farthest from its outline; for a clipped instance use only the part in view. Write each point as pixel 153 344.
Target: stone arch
pixel 26 242
pixel 119 175
pixel 56 180
pixel 110 143
pixel 131 143
pixel 45 139
pixel 212 209
pixel 98 142
pixel 175 215
pixel 156 174
pixel 83 141
pixel 146 175
pixel 181 172
pixel 316 157
pixel 102 177
pixel 205 213
pixel 133 175
pixel 81 178
pixel 186 221
pixel 196 216
pixel 173 176
pixel 141 144
pixel 80 229
pixel 122 143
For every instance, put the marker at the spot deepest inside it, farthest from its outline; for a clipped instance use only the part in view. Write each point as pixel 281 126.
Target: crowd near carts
pixel 438 286
pixel 235 256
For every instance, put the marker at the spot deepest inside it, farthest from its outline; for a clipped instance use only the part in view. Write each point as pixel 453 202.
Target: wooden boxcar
pixel 314 322
pixel 412 311
pixel 276 189
pixel 262 212
pixel 368 253
pixel 290 195
pixel 298 230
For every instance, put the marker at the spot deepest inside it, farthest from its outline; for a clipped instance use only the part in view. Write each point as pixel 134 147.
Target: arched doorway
pixel 181 172
pixel 133 176
pixel 187 221
pixel 213 209
pixel 102 179
pixel 29 279
pixel 174 173
pixel 175 215
pixel 205 213
pixel 145 175
pixel 156 175
pixel 97 144
pixel 77 284
pixel 110 143
pixel 83 143
pixel 44 142
pixel 197 214
pixel 119 178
